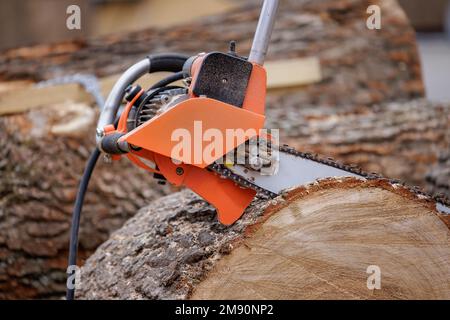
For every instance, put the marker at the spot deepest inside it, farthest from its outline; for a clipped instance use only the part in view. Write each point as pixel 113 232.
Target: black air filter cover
pixel 223 77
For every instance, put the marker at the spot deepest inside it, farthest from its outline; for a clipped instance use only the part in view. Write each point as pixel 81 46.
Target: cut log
pixel 42 156
pixel 330 240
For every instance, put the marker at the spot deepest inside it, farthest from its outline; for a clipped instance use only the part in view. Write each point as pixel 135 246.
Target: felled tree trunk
pixel 398 140
pixel 336 239
pixel 42 157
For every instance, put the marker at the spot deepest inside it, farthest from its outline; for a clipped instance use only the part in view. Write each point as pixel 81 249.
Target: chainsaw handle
pixel 170 62
pixel 115 97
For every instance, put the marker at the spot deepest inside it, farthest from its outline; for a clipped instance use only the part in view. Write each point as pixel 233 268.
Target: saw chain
pixel 227 173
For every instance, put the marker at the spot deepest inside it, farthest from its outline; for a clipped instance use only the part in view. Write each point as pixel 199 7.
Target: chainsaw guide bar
pixel 442 202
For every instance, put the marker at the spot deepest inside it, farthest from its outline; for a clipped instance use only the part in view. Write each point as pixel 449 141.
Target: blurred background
pixel 20 26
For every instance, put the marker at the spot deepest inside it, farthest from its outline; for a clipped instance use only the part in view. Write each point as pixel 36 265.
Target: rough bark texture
pixel 42 156
pixel 314 242
pixel 398 140
pixel 359 66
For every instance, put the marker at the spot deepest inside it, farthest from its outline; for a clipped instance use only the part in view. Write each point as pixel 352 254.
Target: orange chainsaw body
pixel 156 142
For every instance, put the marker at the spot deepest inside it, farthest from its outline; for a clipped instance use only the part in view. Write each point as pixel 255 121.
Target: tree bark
pixel 42 157
pixel 322 241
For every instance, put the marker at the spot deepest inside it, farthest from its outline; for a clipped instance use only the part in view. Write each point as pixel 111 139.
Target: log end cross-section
pixel 335 239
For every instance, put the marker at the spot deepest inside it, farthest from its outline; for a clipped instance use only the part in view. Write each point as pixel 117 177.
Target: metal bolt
pixel 187 81
pixel 179 171
pixel 165 99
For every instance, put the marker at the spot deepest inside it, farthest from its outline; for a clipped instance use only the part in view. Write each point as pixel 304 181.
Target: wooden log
pixel 42 156
pixel 314 242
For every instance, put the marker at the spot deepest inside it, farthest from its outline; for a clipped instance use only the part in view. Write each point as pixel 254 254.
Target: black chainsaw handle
pixel 170 62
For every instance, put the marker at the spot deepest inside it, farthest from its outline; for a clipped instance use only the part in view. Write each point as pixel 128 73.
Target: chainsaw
pixel 167 128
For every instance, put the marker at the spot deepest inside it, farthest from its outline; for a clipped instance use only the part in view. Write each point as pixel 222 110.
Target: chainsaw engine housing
pixel 153 103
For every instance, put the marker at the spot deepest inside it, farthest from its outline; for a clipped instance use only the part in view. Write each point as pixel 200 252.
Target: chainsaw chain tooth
pixel 223 171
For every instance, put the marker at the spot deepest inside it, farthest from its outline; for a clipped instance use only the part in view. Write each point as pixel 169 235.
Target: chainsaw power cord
pixel 74 231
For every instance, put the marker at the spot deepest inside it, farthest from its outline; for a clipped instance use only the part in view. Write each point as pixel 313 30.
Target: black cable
pixel 73 248
pixel 166 81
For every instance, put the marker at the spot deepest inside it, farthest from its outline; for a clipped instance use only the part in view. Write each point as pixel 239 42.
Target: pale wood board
pixel 293 72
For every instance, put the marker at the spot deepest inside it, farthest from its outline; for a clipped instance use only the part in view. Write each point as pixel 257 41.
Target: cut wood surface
pixel 314 242
pixel 293 72
pixel 42 156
